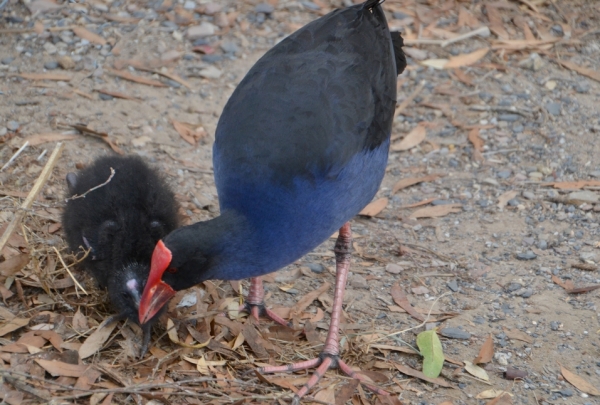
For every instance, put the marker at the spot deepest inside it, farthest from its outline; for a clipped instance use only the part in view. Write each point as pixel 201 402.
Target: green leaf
pixel 431 350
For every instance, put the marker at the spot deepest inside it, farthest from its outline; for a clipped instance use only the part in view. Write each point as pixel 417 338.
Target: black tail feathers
pixel 369 4
pixel 399 55
pixel 397 40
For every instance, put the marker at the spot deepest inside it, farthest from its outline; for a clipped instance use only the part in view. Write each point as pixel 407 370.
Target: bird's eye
pixel 124 294
pixel 172 270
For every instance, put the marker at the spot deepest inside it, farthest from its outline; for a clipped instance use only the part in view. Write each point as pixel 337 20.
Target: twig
pixel 76 196
pixel 494 152
pixel 22 386
pixel 530 5
pixel 421 324
pixel 70 274
pixel 39 183
pixel 409 100
pixel 26 30
pixel 41 156
pixel 16 155
pixel 483 31
pixel 512 110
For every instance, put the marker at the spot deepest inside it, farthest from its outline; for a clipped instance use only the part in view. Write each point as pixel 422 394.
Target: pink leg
pixel 255 303
pixel 329 357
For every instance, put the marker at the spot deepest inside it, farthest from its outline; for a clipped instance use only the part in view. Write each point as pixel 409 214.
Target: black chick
pixel 119 223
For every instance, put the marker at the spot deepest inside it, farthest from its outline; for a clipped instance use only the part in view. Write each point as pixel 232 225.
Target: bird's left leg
pixel 255 303
pixel 330 355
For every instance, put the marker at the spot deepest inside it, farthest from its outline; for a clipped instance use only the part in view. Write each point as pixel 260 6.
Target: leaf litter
pixel 52 305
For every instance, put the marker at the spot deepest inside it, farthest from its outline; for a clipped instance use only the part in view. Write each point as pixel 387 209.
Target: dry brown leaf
pixel 137 79
pixel 95 341
pixel 486 353
pixel 400 298
pixel 579 382
pixel 117 94
pixel 417 374
pixel 38 27
pixel 46 76
pixel 475 139
pixel 418 204
pixel 255 341
pixel 327 394
pixel 506 197
pixel 6 314
pixel 14 264
pixel 90 36
pixel 104 136
pixel 175 78
pixel 496 23
pixel 518 335
pixel 476 371
pixel 436 211
pixel 522 44
pixel 80 323
pixel 592 74
pixel 504 399
pixel 567 285
pixel 54 338
pixel 573 185
pixel 61 369
pixel 463 77
pixel 410 181
pixel 189 132
pixel 412 139
pixel 12 325
pixel 374 207
pixel 466 59
pixel 493 393
pixel 466 18
pixel 305 301
pixel 39 139
pixel 345 393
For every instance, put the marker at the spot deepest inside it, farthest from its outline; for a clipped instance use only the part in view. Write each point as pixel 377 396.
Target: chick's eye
pixel 172 270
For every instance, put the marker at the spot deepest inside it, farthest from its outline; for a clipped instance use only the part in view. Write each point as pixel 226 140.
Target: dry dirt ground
pixel 493 228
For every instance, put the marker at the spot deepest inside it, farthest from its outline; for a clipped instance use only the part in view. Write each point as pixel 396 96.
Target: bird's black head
pixel 125 288
pixel 188 256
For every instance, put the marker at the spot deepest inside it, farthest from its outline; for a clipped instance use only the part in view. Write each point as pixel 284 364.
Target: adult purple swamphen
pixel 300 148
pixel 119 222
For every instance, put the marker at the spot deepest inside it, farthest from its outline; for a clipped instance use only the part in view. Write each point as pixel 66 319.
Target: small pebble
pixel 542 245
pixel 264 8
pixel 12 125
pixel 358 281
pixel 529 255
pixel 51 65
pixel 106 97
pixel 453 285
pixel 229 47
pixel 504 174
pixel 509 117
pixel 394 268
pixel 513 287
pixel 316 267
pixel 211 72
pixel 7 60
pixel 555 325
pixel 455 333
pixel 553 108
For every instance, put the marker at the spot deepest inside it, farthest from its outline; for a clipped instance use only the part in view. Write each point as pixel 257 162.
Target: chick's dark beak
pixel 156 292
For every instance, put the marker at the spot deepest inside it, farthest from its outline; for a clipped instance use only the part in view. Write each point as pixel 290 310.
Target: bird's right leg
pixel 255 303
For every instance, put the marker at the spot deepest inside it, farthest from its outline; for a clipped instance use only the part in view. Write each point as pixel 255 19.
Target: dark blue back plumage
pixel 300 148
pixel 120 223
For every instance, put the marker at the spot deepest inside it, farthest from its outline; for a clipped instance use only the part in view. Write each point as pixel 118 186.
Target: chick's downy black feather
pixel 119 223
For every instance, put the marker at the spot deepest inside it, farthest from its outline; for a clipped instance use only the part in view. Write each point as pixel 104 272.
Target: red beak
pixel 156 293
